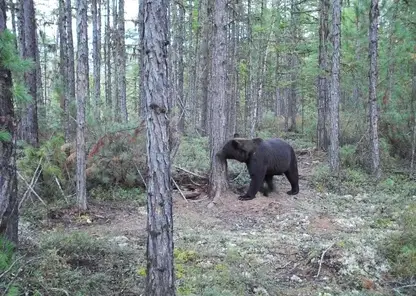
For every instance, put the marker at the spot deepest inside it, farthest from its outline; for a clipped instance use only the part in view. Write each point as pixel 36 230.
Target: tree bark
pixel 9 216
pixel 160 271
pixel 29 121
pixel 142 102
pixel 107 58
pixel 205 65
pixel 218 173
pixel 63 66
pixel 372 97
pixel 413 114
pixel 71 60
pixel 180 36
pixel 322 131
pixel 96 55
pixel 334 158
pixel 82 98
pixel 121 62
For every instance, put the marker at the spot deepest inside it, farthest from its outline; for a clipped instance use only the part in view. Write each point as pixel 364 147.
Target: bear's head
pixel 239 149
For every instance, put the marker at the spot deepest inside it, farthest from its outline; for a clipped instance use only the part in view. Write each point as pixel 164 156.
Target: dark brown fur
pixel 264 159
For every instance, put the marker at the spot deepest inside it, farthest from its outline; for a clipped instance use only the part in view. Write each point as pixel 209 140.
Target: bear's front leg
pixel 257 179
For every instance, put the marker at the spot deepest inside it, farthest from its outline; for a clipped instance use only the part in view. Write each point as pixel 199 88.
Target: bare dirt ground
pixel 267 246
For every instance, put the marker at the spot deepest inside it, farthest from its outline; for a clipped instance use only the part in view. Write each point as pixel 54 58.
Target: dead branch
pixel 10 267
pixel 31 189
pixel 141 176
pixel 60 188
pixel 322 259
pixel 189 172
pixel 33 181
pixel 180 191
pixel 192 195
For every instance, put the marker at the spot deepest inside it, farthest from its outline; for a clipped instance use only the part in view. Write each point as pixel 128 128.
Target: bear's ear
pixel 236 135
pixel 257 141
pixel 236 144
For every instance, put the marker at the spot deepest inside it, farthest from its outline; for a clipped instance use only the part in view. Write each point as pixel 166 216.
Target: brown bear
pixel 264 159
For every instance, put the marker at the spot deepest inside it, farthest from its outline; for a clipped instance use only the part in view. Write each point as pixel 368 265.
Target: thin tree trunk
pixel 9 216
pixel 372 98
pixel 121 64
pixel 160 270
pixel 180 35
pixel 413 114
pixel 63 66
pixel 108 70
pixel 206 66
pixel 142 102
pixel 194 75
pixel 96 52
pixel 30 113
pixel 71 65
pixel 82 98
pixel 114 51
pixel 322 131
pixel 391 60
pixel 217 92
pixel 232 114
pixel 13 16
pixel 334 158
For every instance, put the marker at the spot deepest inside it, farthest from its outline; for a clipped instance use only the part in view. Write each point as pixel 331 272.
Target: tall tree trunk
pixel 251 99
pixel 71 66
pixel 391 60
pixel 206 65
pixel 413 114
pixel 232 114
pixel 14 25
pixel 193 98
pixel 372 97
pixel 142 102
pixel 9 216
pixel 179 36
pixel 217 99
pixel 322 131
pixel 334 159
pixel 96 55
pixel 63 66
pixel 160 271
pixel 107 57
pixel 121 64
pixel 82 98
pixel 30 113
pixel 114 50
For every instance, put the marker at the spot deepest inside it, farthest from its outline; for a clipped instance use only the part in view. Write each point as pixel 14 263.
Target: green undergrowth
pixel 78 264
pixel 136 195
pixel 355 181
pixel 400 247
pixel 9 266
pixel 203 274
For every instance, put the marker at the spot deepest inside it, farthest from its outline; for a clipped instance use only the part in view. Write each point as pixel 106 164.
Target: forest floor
pixel 311 244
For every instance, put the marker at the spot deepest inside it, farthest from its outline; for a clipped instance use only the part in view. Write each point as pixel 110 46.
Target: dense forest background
pixel 336 79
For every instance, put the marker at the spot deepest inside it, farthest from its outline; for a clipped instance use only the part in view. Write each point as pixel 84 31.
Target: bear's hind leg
pixel 293 178
pixel 269 185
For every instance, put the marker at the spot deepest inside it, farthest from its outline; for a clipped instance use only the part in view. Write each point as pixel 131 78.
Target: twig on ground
pixel 31 189
pixel 10 267
pixel 180 191
pixel 322 259
pixel 60 188
pixel 403 287
pixel 141 176
pixel 57 289
pixel 11 281
pixel 189 172
pixel 34 179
